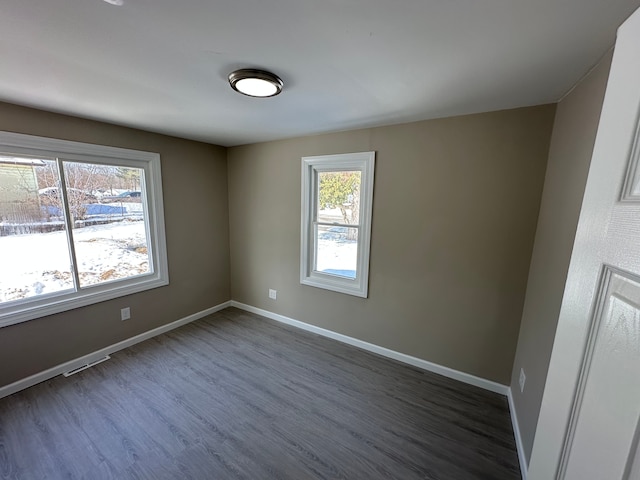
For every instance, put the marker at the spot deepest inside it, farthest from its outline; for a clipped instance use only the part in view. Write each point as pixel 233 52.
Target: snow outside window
pixel 337 196
pixel 79 224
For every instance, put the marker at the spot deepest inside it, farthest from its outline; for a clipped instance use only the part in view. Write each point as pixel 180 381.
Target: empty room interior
pixel 370 266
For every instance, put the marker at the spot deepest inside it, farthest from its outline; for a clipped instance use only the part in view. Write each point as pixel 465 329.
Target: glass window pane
pixel 337 250
pixel 109 228
pixel 339 197
pixel 34 251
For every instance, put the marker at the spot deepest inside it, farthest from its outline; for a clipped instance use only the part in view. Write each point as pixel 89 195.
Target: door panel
pixel 588 423
pixel 602 440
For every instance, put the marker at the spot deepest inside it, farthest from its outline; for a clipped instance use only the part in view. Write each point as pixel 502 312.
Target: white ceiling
pixel 162 65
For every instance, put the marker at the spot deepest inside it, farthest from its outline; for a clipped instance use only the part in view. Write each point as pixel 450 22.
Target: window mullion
pixel 68 220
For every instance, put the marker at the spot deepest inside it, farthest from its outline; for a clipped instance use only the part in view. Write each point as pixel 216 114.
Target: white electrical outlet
pixel 125 313
pixel 273 294
pixel 523 378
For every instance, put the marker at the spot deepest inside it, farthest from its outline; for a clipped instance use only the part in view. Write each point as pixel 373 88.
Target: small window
pixel 337 198
pixel 79 224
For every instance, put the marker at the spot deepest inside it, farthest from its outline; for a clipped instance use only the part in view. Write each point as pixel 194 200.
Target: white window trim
pixel 39 306
pixel 365 162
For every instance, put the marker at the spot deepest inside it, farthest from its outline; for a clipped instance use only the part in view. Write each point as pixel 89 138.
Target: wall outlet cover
pixel 273 294
pixel 125 313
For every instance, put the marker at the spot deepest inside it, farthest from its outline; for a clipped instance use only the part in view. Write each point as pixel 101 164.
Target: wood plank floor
pixel 237 396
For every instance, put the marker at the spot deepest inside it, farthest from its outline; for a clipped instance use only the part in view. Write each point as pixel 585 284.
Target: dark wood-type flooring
pixel 237 396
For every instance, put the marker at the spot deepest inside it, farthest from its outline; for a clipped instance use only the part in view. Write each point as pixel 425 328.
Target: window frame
pixel 311 166
pixel 42 305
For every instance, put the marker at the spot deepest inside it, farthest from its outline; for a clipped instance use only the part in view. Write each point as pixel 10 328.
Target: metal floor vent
pixel 84 367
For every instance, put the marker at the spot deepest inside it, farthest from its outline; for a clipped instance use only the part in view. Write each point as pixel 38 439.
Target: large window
pixel 79 224
pixel 337 196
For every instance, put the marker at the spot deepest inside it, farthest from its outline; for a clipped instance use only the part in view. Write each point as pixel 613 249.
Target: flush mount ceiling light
pixel 255 83
pixel 117 3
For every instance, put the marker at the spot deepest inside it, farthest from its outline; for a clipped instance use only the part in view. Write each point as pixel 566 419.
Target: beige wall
pixel 455 208
pixel 572 142
pixel 196 216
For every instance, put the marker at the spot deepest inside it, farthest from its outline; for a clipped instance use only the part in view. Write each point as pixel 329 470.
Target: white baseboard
pixel 92 357
pixel 516 431
pixel 385 352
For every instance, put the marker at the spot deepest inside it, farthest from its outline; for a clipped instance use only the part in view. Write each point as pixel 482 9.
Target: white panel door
pixel 588 425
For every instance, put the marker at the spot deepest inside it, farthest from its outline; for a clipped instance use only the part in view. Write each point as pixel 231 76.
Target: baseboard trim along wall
pixel 385 352
pixel 92 357
pixel 516 432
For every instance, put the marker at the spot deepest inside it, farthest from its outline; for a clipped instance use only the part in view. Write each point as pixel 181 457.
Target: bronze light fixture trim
pixel 255 83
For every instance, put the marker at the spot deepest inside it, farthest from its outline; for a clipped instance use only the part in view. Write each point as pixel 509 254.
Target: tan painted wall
pixel 196 216
pixel 455 208
pixel 574 134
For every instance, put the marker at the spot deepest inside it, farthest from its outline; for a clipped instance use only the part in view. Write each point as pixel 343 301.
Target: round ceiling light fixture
pixel 255 83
